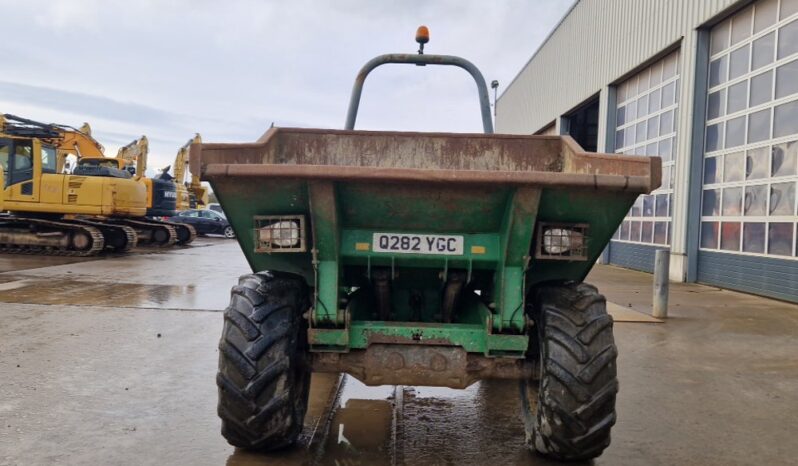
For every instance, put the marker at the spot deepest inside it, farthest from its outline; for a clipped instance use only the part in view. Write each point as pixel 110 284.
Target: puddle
pixel 427 425
pixel 13 285
pixel 443 393
pixel 125 295
pixel 18 262
pixel 355 389
pixel 360 433
pixel 478 425
pixel 362 430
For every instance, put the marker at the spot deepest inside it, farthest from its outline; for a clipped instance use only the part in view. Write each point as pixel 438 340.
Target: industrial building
pixel 711 86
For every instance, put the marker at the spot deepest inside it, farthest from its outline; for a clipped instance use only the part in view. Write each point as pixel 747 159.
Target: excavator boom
pixel 198 193
pixel 136 153
pixel 80 142
pixel 181 161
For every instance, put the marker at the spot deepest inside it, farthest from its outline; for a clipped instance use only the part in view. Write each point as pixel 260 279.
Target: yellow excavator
pixel 75 141
pixel 54 213
pixel 161 195
pixel 189 195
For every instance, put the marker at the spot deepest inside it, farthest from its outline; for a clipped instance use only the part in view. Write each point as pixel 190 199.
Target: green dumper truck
pixel 420 259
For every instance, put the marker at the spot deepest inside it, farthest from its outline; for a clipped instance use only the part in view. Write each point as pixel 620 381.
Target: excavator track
pixel 20 235
pixel 185 233
pixel 150 232
pixel 118 238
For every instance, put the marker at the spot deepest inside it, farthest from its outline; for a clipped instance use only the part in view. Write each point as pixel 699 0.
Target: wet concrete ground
pixel 112 361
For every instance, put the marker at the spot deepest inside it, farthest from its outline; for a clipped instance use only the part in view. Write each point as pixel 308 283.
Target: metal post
pixel 495 86
pixel 662 260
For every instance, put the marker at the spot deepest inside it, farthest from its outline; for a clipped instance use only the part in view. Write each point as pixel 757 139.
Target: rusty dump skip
pixel 425 157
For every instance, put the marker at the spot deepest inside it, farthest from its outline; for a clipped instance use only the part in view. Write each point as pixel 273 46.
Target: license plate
pixel 449 245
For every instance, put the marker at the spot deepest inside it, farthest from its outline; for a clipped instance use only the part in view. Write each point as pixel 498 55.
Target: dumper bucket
pixel 507 211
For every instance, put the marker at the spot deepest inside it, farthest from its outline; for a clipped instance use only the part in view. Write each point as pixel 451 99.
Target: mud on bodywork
pixel 444 366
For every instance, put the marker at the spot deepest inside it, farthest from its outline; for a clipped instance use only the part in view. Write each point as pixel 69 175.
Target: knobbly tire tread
pixel 264 371
pixel 578 379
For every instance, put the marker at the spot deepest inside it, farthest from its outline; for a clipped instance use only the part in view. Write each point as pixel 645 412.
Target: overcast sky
pixel 228 69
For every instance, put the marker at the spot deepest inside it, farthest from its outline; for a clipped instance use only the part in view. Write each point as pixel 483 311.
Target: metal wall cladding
pixel 752 274
pixel 633 256
pixel 598 42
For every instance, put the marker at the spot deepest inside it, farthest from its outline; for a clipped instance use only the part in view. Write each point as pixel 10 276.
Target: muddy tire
pixel 264 372
pixel 570 416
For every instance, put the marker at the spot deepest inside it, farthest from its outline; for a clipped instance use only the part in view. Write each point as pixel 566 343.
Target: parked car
pixel 216 208
pixel 205 222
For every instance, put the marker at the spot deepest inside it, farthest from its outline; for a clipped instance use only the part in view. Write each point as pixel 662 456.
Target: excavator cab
pixel 32 183
pixel 130 169
pixel 32 159
pixel 19 165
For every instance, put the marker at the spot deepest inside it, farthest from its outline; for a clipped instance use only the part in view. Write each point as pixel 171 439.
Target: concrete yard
pixel 113 360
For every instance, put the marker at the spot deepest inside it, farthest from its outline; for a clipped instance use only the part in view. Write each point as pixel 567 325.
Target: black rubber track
pixel 264 372
pixel 148 230
pixel 578 379
pixel 117 238
pixel 186 234
pixel 50 226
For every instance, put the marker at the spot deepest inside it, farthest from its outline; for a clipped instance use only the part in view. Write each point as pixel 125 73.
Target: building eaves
pixel 540 47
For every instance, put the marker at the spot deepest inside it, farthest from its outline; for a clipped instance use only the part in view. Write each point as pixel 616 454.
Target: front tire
pixel 229 232
pixel 264 371
pixel 573 411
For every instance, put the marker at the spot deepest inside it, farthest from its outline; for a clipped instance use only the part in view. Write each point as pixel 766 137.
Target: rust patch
pixel 425 157
pixel 439 366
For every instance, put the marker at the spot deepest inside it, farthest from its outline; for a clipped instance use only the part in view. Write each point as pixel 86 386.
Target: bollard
pixel 661 270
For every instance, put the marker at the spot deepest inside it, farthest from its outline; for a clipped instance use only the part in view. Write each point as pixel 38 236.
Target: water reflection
pixel 416 425
pixel 126 295
pixel 360 434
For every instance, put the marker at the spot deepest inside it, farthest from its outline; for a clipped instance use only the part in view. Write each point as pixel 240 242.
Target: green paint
pixel 325 231
pixel 602 210
pixel 501 219
pixel 517 229
pixel 472 337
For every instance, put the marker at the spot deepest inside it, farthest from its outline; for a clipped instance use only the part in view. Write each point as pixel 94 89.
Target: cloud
pixel 230 69
pixel 88 104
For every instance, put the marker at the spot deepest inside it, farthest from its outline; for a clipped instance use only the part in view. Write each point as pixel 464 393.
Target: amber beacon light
pixel 422 37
